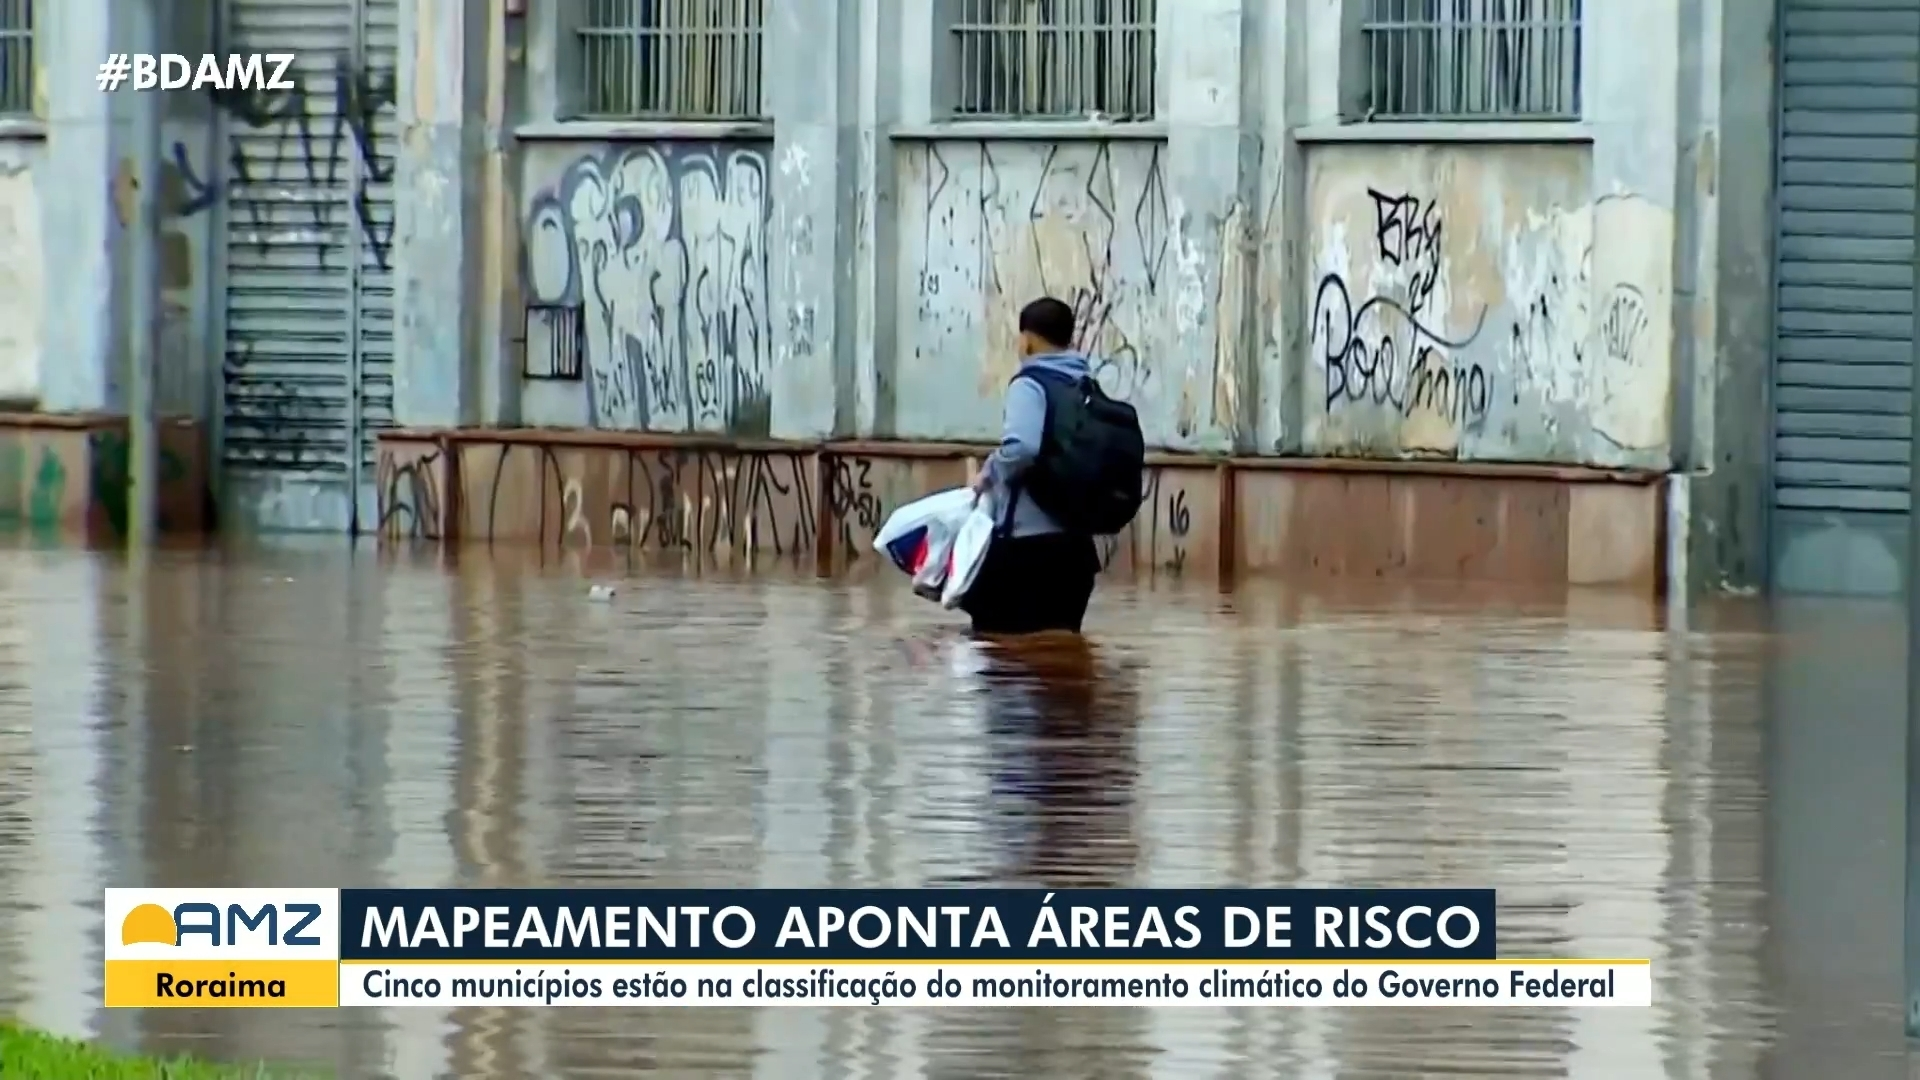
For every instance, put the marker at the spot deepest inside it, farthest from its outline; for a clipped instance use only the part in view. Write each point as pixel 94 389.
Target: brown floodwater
pixel 1725 798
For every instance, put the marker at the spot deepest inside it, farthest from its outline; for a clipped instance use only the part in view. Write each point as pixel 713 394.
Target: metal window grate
pixel 671 59
pixel 16 57
pixel 1056 59
pixel 1472 59
pixel 556 337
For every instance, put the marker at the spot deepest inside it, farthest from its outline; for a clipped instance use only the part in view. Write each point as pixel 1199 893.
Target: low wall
pixel 66 475
pixel 723 501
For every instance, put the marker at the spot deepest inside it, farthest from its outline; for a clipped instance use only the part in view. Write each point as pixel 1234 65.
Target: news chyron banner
pixel 266 948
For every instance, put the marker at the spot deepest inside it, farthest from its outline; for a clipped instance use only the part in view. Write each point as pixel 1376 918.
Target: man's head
pixel 1046 326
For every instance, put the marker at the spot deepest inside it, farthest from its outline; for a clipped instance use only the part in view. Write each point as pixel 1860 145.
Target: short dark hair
pixel 1049 320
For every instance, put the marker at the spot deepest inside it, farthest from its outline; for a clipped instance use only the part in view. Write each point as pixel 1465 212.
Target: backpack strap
pixel 1046 379
pixel 1041 377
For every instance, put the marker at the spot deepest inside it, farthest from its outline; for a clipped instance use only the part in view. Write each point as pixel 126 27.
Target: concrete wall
pixel 1255 275
pixel 988 225
pixel 23 271
pixel 67 185
pixel 1478 302
pixel 665 245
pixel 1252 273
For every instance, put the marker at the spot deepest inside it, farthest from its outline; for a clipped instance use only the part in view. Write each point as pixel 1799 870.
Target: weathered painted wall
pixel 23 272
pixel 66 199
pixel 1477 302
pixel 68 476
pixel 663 246
pixel 986 227
pixel 626 499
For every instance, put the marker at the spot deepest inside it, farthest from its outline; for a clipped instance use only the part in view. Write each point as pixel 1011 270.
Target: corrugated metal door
pixel 308 294
pixel 1849 104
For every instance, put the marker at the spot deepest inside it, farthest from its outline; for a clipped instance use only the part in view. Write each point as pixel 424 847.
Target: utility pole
pixel 145 309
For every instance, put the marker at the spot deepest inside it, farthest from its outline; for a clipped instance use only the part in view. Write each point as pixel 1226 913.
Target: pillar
pixel 1212 179
pixel 437 256
pixel 875 329
pixel 1731 487
pixel 815 147
pixel 85 132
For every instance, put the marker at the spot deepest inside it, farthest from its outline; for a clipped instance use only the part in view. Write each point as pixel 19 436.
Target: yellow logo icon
pixel 149 924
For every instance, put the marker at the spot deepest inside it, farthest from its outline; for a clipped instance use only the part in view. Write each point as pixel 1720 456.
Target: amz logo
pixel 153 924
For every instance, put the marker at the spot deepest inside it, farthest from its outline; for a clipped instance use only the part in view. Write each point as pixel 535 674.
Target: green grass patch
pixel 31 1055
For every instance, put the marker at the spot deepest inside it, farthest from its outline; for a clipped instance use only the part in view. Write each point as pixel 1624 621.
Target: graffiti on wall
pixel 22 279
pixel 663 247
pixel 989 226
pixel 51 481
pixel 33 485
pixel 1391 348
pixel 310 137
pixel 1444 321
pixel 301 179
pixel 408 480
pixel 685 500
pixel 716 503
pixel 1162 534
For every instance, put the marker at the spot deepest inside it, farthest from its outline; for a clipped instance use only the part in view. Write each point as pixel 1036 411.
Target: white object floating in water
pixel 600 592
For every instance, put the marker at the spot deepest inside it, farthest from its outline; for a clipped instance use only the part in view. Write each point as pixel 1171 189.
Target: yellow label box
pixel 223 984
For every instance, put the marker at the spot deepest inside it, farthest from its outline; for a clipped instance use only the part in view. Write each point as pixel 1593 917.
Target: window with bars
pixel 670 59
pixel 1055 59
pixel 1469 60
pixel 16 57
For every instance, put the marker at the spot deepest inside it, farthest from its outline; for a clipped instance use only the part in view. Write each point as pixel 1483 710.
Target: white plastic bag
pixel 908 532
pixel 940 541
pixel 935 558
pixel 969 553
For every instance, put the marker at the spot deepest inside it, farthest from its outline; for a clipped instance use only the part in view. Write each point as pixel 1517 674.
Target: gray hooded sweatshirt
pixel 1023 426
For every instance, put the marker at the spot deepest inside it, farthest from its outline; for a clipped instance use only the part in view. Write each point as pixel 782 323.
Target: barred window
pixel 1055 59
pixel 16 57
pixel 1471 59
pixel 671 59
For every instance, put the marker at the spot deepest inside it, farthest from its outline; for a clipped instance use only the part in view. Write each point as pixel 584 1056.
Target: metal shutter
pixel 1844 324
pixel 307 377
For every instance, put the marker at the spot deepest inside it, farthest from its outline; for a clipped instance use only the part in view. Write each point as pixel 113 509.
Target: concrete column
pixel 1212 180
pixel 812 88
pixel 437 220
pixel 876 217
pixel 1278 37
pixel 1630 99
pixel 1731 490
pixel 79 368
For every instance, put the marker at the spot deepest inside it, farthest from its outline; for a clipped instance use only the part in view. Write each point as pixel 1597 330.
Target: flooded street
pixel 1726 799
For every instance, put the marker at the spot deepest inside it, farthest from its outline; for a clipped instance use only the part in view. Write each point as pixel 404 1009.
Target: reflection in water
pixel 1724 801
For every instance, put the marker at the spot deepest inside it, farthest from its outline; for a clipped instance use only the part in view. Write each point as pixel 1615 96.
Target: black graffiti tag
pixel 1406 233
pixel 1384 350
pixel 311 133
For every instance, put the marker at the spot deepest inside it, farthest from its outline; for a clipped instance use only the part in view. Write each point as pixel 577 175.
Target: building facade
pixel 1455 284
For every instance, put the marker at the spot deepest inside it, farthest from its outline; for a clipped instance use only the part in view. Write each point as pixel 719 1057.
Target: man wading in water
pixel 1069 467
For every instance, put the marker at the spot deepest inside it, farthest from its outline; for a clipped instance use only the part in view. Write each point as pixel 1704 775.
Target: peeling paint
pixel 1230 317
pixel 795 164
pixel 1478 302
pixel 22 287
pixel 988 226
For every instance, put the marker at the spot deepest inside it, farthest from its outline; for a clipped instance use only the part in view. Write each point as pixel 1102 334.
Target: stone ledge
pixel 652 440
pixel 719 501
pixel 65 475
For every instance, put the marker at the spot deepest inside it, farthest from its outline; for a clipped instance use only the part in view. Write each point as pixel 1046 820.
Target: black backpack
pixel 1090 473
